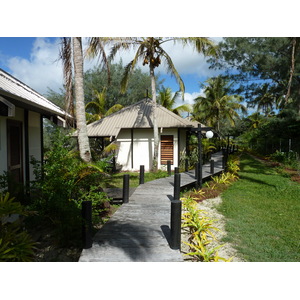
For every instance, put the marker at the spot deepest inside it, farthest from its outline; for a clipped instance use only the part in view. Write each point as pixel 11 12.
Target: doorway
pixel 14 150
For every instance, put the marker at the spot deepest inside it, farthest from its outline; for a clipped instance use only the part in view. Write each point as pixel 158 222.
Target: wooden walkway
pixel 139 230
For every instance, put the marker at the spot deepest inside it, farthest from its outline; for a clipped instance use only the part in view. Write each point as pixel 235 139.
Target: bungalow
pixel 21 126
pixel 132 130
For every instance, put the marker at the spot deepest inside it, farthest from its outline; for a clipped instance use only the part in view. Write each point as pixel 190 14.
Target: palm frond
pixel 65 55
pixel 97 48
pixel 172 70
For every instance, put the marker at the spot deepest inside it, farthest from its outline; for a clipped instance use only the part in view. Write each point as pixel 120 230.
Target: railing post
pixel 176 186
pixel 142 174
pixel 199 175
pixel 169 167
pixel 212 166
pixel 86 212
pixel 186 167
pixel 175 242
pixel 126 188
pixel 196 170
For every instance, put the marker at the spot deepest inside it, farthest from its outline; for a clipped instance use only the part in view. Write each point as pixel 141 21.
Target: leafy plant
pixel 200 230
pixel 15 244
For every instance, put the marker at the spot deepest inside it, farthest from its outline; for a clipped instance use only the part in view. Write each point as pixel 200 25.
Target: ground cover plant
pixel 262 211
pixel 200 230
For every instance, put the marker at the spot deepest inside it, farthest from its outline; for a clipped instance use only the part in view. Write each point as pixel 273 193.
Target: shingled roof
pixel 22 95
pixel 138 115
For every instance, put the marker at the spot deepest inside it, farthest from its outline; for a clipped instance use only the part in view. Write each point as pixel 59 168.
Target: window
pixel 166 149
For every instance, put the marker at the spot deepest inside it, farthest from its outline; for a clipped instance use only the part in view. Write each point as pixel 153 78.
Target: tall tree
pixel 217 105
pixel 150 51
pixel 83 140
pixel 253 61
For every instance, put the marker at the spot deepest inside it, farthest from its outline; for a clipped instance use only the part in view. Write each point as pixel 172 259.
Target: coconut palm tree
pixel 150 51
pixel 217 104
pixel 72 50
pixel 166 100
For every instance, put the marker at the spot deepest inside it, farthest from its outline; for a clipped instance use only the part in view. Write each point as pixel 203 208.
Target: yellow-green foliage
pixel 233 164
pixel 200 229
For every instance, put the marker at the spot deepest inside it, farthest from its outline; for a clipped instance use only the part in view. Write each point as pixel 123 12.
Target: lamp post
pixel 209 134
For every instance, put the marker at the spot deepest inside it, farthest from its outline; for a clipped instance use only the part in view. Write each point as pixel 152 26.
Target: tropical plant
pixel 15 243
pixel 200 230
pixel 150 51
pixel 98 107
pixel 61 184
pixel 217 105
pixel 72 50
pixel 166 100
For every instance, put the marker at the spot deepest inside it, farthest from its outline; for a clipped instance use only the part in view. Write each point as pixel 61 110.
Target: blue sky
pixel 34 61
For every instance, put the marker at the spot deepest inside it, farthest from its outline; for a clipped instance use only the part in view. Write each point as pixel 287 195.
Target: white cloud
pixel 42 69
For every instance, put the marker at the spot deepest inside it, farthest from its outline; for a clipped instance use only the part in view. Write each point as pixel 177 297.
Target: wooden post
pixel 86 212
pixel 126 188
pixel 142 174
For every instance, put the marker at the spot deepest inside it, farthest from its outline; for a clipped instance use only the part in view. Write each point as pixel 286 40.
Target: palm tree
pixel 150 51
pixel 98 107
pixel 166 100
pixel 72 49
pixel 217 104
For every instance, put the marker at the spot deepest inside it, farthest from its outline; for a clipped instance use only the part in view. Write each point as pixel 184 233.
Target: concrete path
pixel 139 230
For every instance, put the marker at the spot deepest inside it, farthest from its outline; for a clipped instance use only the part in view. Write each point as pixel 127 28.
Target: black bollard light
pixel 175 242
pixel 86 212
pixel 176 170
pixel 142 174
pixel 126 188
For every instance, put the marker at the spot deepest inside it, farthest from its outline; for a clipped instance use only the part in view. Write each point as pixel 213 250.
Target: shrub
pixel 201 233
pixel 15 243
pixel 61 185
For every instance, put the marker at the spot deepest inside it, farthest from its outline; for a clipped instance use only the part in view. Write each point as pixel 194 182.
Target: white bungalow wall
pixel 143 148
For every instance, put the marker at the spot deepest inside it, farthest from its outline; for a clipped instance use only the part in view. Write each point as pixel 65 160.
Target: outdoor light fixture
pixel 209 134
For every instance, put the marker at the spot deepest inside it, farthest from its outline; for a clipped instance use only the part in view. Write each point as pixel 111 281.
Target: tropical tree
pixel 149 50
pixel 98 107
pixel 166 100
pixel 72 50
pixel 217 104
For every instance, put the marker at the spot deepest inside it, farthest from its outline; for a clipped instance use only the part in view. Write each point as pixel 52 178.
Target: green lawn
pixel 116 180
pixel 263 214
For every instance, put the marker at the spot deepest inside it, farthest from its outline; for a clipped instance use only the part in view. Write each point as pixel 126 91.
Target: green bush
pixel 15 243
pixel 61 185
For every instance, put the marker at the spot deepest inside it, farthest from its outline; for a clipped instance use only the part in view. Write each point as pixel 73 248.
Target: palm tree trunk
pixel 155 128
pixel 83 140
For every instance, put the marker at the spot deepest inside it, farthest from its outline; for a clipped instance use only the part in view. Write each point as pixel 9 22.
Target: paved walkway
pixel 139 230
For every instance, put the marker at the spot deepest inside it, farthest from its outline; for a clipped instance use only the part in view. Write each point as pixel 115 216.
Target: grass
pixel 262 211
pixel 116 180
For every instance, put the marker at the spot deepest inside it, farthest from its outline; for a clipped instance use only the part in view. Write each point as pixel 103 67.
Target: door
pixel 167 146
pixel 14 150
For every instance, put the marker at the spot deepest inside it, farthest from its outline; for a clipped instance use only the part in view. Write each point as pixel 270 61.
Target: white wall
pixel 143 148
